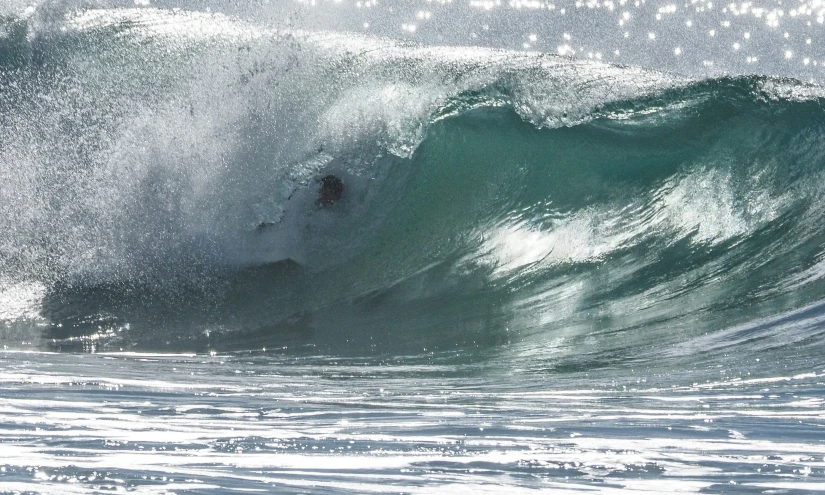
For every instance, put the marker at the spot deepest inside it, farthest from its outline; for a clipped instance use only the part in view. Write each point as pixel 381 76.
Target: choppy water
pixel 545 274
pixel 441 423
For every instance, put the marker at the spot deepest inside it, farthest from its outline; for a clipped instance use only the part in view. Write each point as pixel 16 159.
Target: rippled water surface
pixel 419 424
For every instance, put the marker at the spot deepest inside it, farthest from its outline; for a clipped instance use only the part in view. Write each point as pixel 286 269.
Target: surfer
pixel 332 188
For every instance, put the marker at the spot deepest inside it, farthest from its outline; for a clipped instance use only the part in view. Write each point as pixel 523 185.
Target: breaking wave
pixel 587 211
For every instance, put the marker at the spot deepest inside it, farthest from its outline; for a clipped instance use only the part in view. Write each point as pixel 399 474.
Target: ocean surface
pixel 579 250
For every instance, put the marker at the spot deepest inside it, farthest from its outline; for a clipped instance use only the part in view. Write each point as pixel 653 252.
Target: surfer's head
pixel 331 190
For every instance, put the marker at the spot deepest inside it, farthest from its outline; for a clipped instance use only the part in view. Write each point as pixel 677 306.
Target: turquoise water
pixel 545 273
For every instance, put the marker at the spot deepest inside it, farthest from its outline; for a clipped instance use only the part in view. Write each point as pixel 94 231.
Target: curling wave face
pixel 587 212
